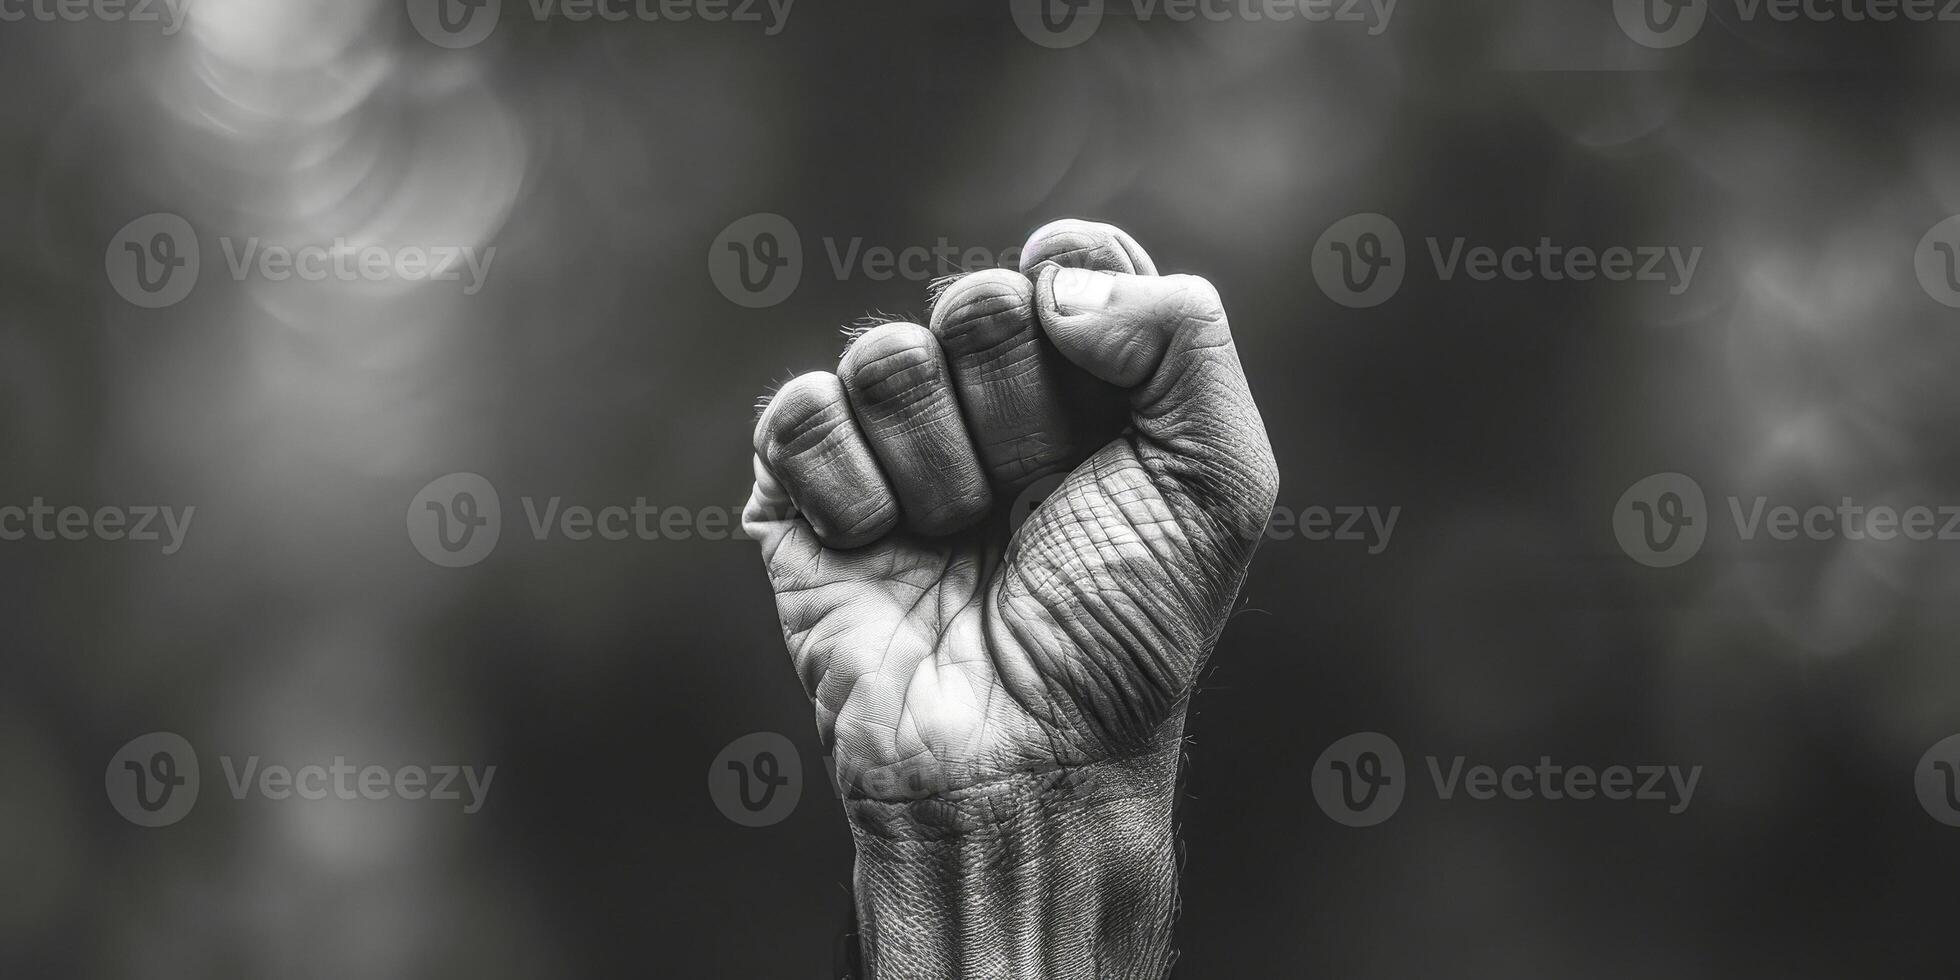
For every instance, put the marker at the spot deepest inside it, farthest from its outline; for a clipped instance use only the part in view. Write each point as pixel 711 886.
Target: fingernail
pixel 1081 291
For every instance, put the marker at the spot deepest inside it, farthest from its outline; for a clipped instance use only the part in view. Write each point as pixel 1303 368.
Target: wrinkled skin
pixel 943 652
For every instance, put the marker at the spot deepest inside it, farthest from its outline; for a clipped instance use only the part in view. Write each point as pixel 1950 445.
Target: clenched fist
pixel 1005 708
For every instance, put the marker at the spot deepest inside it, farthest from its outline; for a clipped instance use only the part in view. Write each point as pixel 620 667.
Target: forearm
pixel 1070 873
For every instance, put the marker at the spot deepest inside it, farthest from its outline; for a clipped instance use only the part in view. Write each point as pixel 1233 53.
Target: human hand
pixel 1004 708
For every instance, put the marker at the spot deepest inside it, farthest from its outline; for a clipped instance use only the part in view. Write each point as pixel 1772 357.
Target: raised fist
pixel 1005 706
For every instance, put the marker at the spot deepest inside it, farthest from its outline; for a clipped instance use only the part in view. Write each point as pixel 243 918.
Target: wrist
pixel 1065 873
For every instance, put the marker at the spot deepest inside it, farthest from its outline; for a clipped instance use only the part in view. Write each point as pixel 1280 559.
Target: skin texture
pixel 1005 705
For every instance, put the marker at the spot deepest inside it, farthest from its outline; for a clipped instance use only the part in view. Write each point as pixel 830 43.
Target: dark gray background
pixel 600 363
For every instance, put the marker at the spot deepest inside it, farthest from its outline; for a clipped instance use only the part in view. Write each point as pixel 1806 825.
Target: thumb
pixel 1166 340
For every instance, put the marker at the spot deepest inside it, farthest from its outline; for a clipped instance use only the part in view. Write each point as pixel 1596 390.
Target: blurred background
pixel 604 359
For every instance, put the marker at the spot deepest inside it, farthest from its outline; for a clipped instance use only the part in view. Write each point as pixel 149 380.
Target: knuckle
pixel 805 393
pixel 893 363
pixel 1063 237
pixel 1082 243
pixel 983 310
pixel 803 414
